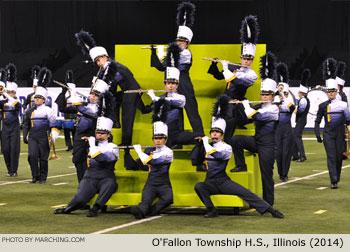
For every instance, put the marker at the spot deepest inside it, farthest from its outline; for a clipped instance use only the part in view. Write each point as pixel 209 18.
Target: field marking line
pixel 63 183
pixel 321 188
pixel 320 211
pixel 3 204
pixel 307 177
pixel 27 180
pixel 62 205
pixel 127 224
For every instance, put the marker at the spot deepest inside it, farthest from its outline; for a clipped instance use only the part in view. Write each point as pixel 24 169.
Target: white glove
pixel 9 98
pixel 277 99
pixel 54 134
pixel 152 95
pixel 92 141
pixel 143 156
pixel 207 146
pixel 224 65
pixel 249 111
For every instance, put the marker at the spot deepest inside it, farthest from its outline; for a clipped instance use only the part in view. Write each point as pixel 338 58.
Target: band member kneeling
pixel 158 159
pixel 99 177
pixel 217 182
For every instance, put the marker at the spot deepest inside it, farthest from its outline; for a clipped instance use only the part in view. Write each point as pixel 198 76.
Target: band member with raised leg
pixel 301 117
pixel 185 21
pixel 69 112
pixel 265 117
pixel 10 137
pixel 335 114
pixel 115 74
pixel 284 134
pixel 239 79
pixel 217 153
pixel 99 177
pixel 158 159
pixel 40 122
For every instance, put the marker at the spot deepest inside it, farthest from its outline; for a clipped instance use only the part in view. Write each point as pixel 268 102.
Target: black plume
pixel 85 41
pixel 249 30
pixel 44 77
pixel 105 105
pixel 173 55
pixel 329 69
pixel 267 69
pixel 3 75
pixel 35 72
pixel 305 77
pixel 69 76
pixel 282 72
pixel 185 14
pixel 160 111
pixel 341 69
pixel 112 70
pixel 11 72
pixel 221 105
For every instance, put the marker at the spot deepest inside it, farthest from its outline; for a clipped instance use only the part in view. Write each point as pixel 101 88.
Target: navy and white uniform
pixel 217 182
pixel 341 96
pixel 158 160
pixel 301 119
pixel 284 137
pixel 99 177
pixel 335 114
pixel 185 88
pixel 265 117
pixel 10 138
pixel 87 114
pixel 29 101
pixel 177 136
pixel 39 121
pixel 236 88
pixel 70 115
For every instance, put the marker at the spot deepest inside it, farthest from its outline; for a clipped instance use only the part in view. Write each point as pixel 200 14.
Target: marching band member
pixel 119 75
pixel 284 135
pixel 265 117
pixel 3 79
pixel 69 112
pixel 341 82
pixel 40 121
pixel 176 101
pixel 301 117
pixel 239 79
pixel 99 177
pixel 10 138
pixel 217 182
pixel 29 102
pixel 158 159
pixel 87 113
pixel 185 21
pixel 335 114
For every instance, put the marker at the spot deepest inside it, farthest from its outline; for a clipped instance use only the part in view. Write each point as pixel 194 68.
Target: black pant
pixel 266 149
pixel 334 150
pixel 67 137
pixel 11 146
pixel 284 143
pixel 165 194
pixel 88 187
pixel 80 153
pixel 226 186
pixel 38 154
pixel 177 137
pixel 298 150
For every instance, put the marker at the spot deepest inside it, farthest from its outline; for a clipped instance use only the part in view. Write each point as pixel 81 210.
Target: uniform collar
pixel 104 143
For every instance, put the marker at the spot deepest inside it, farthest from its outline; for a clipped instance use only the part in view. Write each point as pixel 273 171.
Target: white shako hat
pixel 11 71
pixel 104 113
pixel 219 112
pixel 340 73
pixel 3 78
pixel 185 20
pixel 44 80
pixel 100 87
pixel 329 69
pixel 305 77
pixel 172 73
pixel 88 45
pixel 249 36
pixel 159 118
pixel 282 76
pixel 35 75
pixel 268 73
